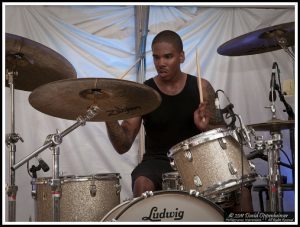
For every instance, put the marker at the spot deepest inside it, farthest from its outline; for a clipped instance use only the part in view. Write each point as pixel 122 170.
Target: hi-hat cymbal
pixel 274 125
pixel 117 99
pixel 35 63
pixel 260 41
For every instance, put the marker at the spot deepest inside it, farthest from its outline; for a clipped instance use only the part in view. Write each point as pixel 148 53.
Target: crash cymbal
pixel 260 41
pixel 274 125
pixel 117 99
pixel 35 63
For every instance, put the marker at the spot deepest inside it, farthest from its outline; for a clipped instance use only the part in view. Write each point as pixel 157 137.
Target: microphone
pixel 228 110
pixel 272 93
pixel 219 114
pixel 43 165
pixel 33 169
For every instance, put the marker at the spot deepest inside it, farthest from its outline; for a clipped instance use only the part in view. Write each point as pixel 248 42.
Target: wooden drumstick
pixel 199 80
pixel 121 77
pixel 199 77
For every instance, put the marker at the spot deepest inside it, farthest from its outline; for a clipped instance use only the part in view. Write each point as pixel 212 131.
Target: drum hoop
pixel 81 178
pixel 114 209
pixel 170 174
pixel 200 138
pixel 133 202
pixel 219 187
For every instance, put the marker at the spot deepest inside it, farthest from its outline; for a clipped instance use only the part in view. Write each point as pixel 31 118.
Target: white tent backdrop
pixel 99 42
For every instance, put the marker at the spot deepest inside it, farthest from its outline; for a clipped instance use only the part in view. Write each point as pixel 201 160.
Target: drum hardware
pixel 274 145
pixel 197 181
pixel 172 164
pixel 28 65
pixel 118 187
pixel 222 143
pixel 52 142
pixel 194 193
pixel 171 181
pixel 272 148
pixel 188 155
pixel 231 168
pixel 146 194
pixel 42 165
pixel 11 140
pixel 93 188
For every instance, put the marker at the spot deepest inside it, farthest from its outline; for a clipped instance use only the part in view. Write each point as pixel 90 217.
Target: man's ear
pixel 182 57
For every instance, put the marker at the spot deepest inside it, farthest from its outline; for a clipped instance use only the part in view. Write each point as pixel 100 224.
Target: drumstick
pixel 121 77
pixel 199 80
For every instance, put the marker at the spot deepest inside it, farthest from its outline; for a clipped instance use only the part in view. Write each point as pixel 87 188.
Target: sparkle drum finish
pixel 83 198
pixel 212 163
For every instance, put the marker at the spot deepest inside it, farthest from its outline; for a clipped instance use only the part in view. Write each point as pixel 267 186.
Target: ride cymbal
pixel 273 125
pixel 260 41
pixel 117 99
pixel 34 63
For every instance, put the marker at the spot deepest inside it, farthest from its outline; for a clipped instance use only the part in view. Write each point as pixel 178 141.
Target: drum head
pixel 171 206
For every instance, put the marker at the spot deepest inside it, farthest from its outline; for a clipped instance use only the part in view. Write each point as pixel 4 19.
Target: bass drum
pixel 83 198
pixel 167 206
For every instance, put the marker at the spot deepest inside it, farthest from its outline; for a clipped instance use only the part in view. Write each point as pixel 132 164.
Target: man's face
pixel 167 60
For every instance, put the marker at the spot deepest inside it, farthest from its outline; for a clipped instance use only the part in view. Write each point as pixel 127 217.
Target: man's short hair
pixel 170 37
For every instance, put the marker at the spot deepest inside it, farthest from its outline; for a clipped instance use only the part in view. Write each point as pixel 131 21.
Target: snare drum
pixel 171 181
pixel 83 198
pixel 212 163
pixel 167 206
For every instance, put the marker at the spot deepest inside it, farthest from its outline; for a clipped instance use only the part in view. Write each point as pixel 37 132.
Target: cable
pixel 287 158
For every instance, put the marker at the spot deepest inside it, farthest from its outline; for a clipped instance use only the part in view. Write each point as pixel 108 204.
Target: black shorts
pixel 152 169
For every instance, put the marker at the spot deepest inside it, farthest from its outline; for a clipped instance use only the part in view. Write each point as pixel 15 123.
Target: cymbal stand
pixel 282 42
pixel 11 140
pixel 273 147
pixel 52 142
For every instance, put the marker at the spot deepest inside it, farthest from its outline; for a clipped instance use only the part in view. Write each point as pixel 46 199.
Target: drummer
pixel 179 117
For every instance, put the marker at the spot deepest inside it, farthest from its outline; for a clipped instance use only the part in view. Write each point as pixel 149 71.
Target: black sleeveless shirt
pixel 173 121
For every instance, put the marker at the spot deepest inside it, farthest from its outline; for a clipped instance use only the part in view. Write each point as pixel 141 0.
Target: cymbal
pixel 35 63
pixel 117 99
pixel 274 125
pixel 260 41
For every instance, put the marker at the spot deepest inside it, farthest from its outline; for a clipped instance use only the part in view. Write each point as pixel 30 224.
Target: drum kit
pixel 196 185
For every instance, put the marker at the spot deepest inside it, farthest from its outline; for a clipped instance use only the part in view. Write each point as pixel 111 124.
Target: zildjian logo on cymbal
pixel 120 110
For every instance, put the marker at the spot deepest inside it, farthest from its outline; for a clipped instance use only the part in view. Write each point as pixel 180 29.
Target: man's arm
pixel 206 117
pixel 122 136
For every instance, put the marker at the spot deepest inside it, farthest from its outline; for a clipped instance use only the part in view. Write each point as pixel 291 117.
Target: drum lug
pixel 194 193
pixel 118 187
pixel 93 189
pixel 252 167
pixel 172 164
pixel 232 170
pixel 223 143
pixel 197 181
pixel 146 194
pixel 188 155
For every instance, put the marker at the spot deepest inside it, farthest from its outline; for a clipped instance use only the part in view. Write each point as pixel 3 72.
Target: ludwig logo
pixel 164 214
